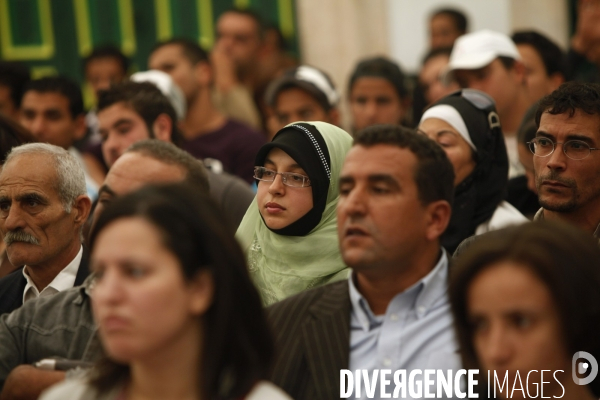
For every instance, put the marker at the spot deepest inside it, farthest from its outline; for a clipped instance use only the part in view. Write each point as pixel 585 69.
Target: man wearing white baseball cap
pixel 303 93
pixel 490 61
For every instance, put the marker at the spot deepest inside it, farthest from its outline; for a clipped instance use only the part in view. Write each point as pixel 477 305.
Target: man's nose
pixel 371 109
pixel 38 127
pixel 558 159
pixel 355 203
pixel 14 219
pixel 111 148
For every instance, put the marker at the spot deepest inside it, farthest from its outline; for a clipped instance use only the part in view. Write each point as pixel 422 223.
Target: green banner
pixel 52 36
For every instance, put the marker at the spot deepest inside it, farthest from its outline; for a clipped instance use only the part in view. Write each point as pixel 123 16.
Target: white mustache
pixel 20 236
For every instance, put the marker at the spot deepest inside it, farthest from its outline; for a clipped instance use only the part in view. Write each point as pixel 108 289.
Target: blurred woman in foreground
pixel 177 314
pixel 524 299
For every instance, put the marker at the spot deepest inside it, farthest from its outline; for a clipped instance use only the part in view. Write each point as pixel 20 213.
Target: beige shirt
pixel 539 216
pixel 63 281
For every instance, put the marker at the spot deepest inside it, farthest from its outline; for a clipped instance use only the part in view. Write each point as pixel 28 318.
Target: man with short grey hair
pixel 43 206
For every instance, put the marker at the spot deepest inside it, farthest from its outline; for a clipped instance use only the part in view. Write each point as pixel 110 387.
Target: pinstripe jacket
pixel 312 337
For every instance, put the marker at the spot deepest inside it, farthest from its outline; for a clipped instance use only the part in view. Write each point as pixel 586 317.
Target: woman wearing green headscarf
pixel 289 232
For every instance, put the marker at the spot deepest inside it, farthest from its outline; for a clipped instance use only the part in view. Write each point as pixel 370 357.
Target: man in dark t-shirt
pixel 208 133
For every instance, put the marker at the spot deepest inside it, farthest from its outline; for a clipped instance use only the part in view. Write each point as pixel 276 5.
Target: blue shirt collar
pixel 425 292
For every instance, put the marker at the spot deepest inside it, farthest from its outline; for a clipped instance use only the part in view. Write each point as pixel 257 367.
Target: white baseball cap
pixel 314 81
pixel 478 49
pixel 167 86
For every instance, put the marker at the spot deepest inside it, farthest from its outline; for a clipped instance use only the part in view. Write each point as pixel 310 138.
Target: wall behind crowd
pixel 51 36
pixel 409 21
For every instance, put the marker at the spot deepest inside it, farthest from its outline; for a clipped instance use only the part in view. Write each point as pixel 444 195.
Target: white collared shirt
pixel 63 281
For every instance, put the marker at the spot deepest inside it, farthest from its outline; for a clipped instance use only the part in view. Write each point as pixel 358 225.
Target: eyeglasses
pixel 288 178
pixel 482 102
pixel 574 149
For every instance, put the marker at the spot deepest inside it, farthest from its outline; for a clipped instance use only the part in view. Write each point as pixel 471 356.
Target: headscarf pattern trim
pixel 317 147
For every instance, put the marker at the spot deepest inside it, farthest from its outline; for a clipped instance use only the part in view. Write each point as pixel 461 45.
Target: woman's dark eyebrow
pixel 267 161
pixel 384 178
pixel 446 131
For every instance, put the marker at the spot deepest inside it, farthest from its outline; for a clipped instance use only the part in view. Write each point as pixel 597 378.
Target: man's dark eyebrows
pixel 346 179
pixel 583 138
pixel 544 134
pixel 383 178
pixel 123 121
pixel 53 111
pixel 106 189
pixel 29 112
pixel 31 196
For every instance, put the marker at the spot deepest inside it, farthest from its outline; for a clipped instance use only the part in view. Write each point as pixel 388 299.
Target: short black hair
pixel 15 76
pixel 380 67
pixel 61 85
pixel 191 50
pixel 552 56
pixel 564 258
pixel 459 18
pixel 237 347
pixel 570 97
pixel 146 100
pixel 527 130
pixel 434 175
pixel 107 51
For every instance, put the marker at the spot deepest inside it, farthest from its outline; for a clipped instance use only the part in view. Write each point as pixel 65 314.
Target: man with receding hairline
pixel 393 312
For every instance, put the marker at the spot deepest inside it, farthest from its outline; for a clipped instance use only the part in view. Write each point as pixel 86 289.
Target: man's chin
pixel 20 253
pixel 558 205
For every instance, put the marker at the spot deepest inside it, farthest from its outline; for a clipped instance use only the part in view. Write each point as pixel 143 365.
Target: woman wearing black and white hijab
pixel 465 124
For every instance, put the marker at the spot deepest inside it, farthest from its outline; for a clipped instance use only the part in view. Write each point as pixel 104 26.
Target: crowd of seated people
pixel 210 229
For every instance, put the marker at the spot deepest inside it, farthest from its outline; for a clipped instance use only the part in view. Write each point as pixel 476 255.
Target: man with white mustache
pixel 43 206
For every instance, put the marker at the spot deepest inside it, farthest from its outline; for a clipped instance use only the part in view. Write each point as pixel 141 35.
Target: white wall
pixel 408 22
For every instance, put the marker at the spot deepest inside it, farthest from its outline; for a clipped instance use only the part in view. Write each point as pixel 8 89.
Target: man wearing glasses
pixel 567 166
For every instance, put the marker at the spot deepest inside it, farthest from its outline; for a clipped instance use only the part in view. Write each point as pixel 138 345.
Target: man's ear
pixel 556 79
pixel 81 209
pixel 162 127
pixel 438 218
pixel 201 289
pixel 80 127
pixel 334 116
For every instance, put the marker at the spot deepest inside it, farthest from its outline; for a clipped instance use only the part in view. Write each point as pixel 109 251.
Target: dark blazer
pixel 13 285
pixel 312 339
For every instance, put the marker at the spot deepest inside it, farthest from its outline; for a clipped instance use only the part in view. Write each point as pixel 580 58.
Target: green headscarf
pixel 281 266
